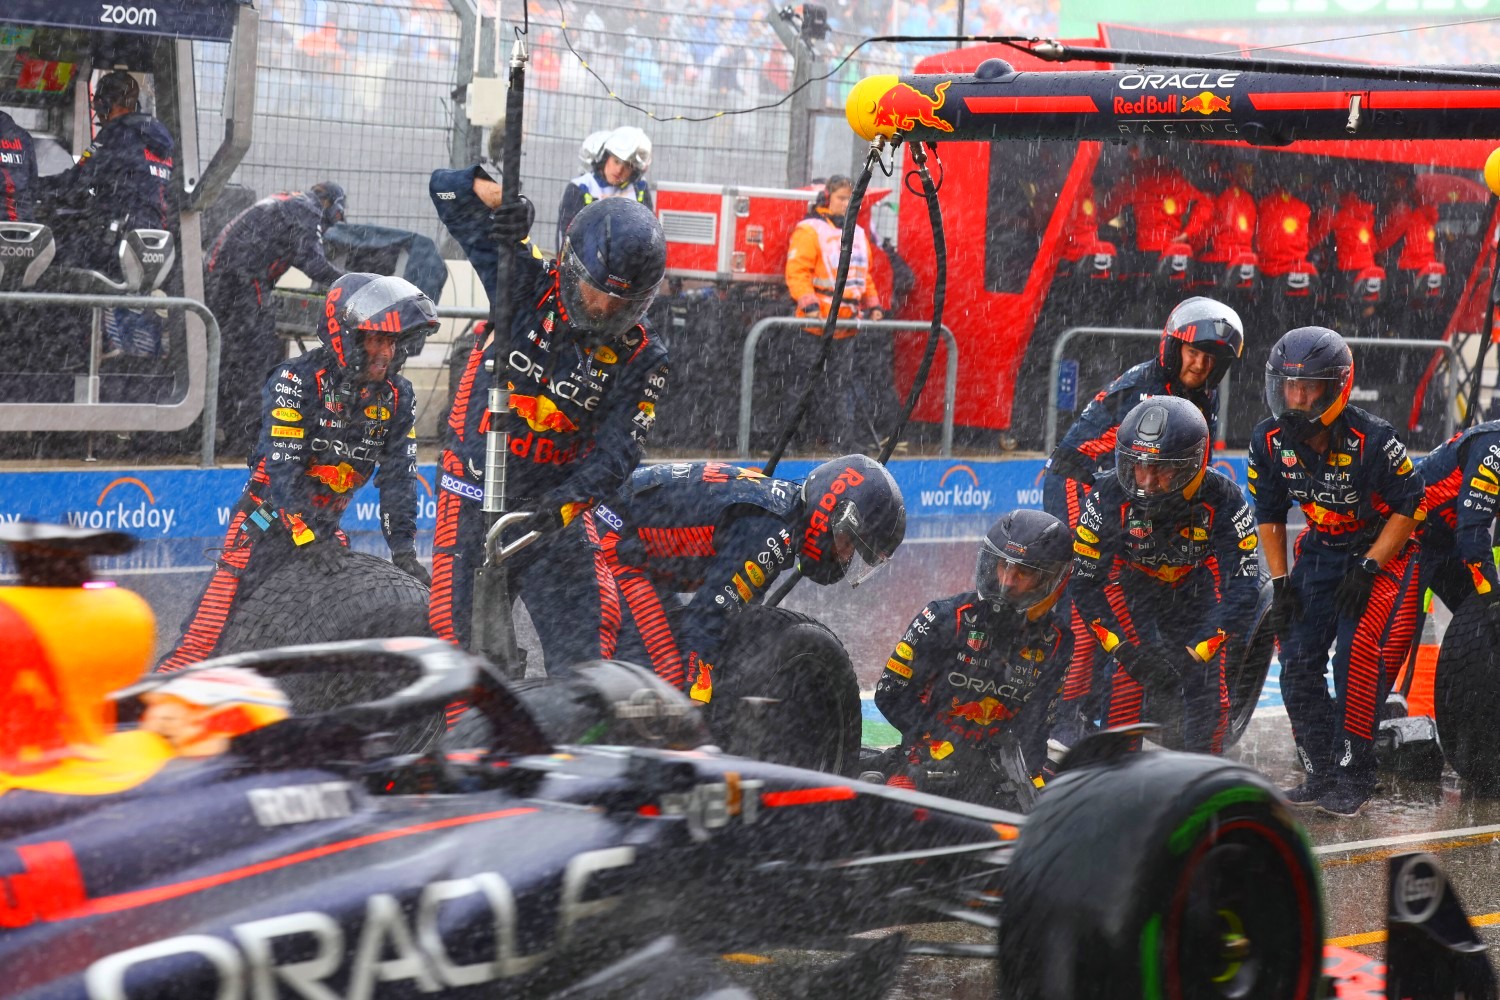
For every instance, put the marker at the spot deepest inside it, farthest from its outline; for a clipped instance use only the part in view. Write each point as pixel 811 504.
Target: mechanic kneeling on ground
pixel 1200 340
pixel 718 531
pixel 1166 572
pixel 585 370
pixel 1354 584
pixel 330 419
pixel 1462 478
pixel 982 667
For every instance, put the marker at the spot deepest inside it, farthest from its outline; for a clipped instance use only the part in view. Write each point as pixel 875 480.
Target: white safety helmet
pixel 592 149
pixel 630 145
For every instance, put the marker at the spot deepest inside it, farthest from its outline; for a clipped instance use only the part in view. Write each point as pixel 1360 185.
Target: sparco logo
pixel 114 13
pixel 1418 889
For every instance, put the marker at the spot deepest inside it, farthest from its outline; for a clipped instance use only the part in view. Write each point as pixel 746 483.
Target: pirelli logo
pixel 278 431
pixel 1483 484
pixel 1087 551
pixel 895 666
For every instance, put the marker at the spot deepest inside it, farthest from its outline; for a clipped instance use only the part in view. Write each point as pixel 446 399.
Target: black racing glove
pixel 1353 595
pixel 1152 665
pixel 1286 606
pixel 407 562
pixel 511 222
pixel 546 520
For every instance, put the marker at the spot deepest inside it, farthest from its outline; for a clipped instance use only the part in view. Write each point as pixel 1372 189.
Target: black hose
pixel 846 250
pixel 939 295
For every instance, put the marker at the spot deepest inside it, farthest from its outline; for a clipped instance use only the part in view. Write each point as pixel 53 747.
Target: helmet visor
pixel 597 310
pixel 1309 397
pixel 1148 477
pixel 851 536
pixel 1018 583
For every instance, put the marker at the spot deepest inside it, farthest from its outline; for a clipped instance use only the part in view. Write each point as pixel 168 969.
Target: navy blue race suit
pixel 1462 478
pixel 121 182
pixel 967 675
pixel 1347 494
pixel 320 441
pixel 718 531
pixel 18 180
pixel 578 419
pixel 1182 577
pixel 1086 452
pixel 249 256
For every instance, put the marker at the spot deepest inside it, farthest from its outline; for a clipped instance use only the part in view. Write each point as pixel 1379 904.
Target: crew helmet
pixel 851 504
pixel 115 89
pixel 331 197
pixel 1161 451
pixel 627 144
pixel 360 303
pixel 1024 562
pixel 613 258
pixel 1207 324
pixel 1308 354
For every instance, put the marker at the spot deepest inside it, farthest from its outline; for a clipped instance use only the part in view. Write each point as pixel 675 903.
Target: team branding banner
pixel 211 20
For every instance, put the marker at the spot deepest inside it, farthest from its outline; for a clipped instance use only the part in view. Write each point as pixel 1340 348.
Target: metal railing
pixel 92 415
pixel 747 367
pixel 1055 366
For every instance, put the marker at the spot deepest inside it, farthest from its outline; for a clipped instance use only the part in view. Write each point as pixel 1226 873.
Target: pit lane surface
pixel 938 560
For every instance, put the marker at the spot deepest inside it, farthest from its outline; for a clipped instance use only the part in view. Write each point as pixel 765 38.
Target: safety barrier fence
pixel 88 413
pixel 1383 343
pixel 884 326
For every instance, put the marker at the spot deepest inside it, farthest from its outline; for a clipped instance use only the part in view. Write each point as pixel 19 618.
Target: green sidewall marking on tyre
pixel 1187 834
pixel 1151 959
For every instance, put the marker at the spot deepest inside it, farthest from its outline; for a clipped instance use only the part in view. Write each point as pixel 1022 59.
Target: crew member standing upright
pixel 18 181
pixel 251 254
pixel 1354 581
pixel 585 370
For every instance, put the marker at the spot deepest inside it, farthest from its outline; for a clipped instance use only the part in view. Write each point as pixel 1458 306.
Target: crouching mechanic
pixel 1354 582
pixel 586 375
pixel 717 531
pixel 982 666
pixel 1166 573
pixel 1462 480
pixel 330 419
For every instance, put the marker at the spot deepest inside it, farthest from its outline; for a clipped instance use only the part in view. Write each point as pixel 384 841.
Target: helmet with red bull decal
pixel 1024 562
pixel 612 261
pixel 851 504
pixel 360 303
pixel 1208 325
pixel 1309 376
pixel 1161 451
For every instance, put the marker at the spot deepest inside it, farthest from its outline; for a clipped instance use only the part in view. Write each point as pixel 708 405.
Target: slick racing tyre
pixel 1466 690
pixel 1161 875
pixel 785 692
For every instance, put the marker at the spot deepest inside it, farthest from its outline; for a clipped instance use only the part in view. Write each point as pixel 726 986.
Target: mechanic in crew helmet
pixel 1200 340
pixel 720 532
pixel 1462 478
pixel 617 162
pixel 986 664
pixel 1354 582
pixel 1166 577
pixel 250 255
pixel 586 374
pixel 330 420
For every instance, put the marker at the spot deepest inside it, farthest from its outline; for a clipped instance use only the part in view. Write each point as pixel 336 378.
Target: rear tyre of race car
pixel 1161 875
pixel 785 692
pixel 1466 690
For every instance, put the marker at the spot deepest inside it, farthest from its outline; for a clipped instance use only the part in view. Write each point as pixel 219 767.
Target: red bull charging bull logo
pixel 541 414
pixel 1206 103
pixel 985 712
pixel 883 105
pixel 340 478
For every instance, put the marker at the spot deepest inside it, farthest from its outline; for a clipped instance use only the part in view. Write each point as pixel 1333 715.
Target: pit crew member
pixel 18 178
pixel 1462 478
pixel 331 419
pixel 1354 582
pixel 983 665
pixel 586 372
pixel 249 256
pixel 718 531
pixel 1166 575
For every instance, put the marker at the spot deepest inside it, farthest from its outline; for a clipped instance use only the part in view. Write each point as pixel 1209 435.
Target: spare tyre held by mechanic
pixel 1462 479
pixel 586 375
pixel 1166 572
pixel 249 256
pixel 331 419
pixel 717 531
pixel 1353 585
pixel 1200 340
pixel 984 665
